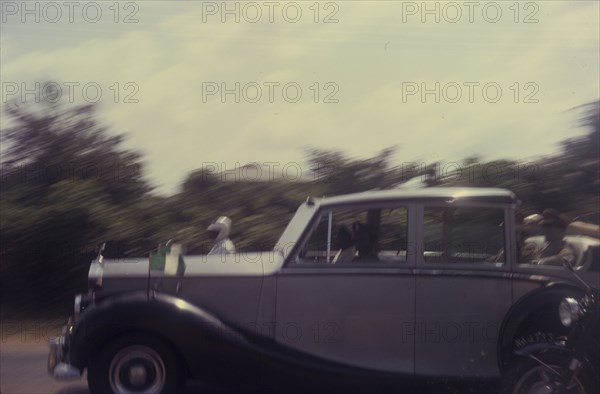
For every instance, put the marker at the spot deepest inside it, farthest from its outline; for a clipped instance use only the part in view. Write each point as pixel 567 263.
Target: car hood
pixel 236 264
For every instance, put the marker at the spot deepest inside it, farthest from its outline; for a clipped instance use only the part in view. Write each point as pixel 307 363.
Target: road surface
pixel 23 371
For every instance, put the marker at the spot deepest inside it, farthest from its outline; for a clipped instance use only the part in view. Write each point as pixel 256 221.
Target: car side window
pixel 355 236
pixel 463 235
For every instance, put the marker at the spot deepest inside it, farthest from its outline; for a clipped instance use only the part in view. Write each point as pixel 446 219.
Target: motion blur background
pixel 384 99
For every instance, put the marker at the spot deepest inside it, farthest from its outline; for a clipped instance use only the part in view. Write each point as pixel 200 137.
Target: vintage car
pixel 372 288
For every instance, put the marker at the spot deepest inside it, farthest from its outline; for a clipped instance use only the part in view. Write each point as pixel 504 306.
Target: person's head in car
pixel 530 225
pixel 344 238
pixel 365 242
pixel 554 225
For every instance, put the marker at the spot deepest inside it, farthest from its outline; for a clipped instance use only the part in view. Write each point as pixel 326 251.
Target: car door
pixel 356 310
pixel 463 289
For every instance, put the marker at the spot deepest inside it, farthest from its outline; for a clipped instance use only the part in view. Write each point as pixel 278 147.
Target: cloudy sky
pixel 441 80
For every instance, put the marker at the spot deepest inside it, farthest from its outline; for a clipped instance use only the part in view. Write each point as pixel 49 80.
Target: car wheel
pixel 528 376
pixel 135 364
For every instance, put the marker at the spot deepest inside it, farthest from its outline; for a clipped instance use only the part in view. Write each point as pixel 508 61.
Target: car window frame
pixel 509 238
pixel 356 267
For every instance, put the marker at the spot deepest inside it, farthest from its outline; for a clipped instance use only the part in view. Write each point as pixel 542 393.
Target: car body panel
pixel 330 314
pixel 458 321
pixel 291 317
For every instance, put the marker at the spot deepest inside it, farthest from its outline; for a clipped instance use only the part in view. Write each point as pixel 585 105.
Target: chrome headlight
pixel 569 311
pixel 77 305
pixel 82 301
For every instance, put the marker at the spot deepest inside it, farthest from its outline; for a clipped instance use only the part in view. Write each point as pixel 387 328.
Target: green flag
pixel 159 257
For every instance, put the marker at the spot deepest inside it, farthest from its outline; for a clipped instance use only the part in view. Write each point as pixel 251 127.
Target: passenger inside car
pixel 527 227
pixel 555 250
pixel 365 241
pixel 358 235
pixel 345 244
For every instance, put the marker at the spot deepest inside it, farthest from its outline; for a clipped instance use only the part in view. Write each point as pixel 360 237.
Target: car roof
pixel 430 194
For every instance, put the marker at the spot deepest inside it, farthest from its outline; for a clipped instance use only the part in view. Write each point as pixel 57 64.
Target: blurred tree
pixel 47 143
pixel 66 185
pixel 570 181
pixel 341 175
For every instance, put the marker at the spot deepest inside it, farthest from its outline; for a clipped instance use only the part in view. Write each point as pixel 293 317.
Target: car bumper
pixel 58 365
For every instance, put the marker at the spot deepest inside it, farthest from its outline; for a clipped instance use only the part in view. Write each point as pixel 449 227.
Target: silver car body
pixel 415 318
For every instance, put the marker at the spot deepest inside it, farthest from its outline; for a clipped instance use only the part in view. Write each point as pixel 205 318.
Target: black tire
pixel 135 364
pixel 528 376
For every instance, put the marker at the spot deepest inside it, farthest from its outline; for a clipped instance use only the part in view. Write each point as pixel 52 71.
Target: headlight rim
pixel 569 311
pixel 77 305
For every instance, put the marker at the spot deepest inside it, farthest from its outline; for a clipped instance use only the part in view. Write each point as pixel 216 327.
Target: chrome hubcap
pixel 540 380
pixel 138 375
pixel 137 369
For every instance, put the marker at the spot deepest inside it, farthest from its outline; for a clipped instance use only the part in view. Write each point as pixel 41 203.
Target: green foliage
pixel 340 175
pixel 68 185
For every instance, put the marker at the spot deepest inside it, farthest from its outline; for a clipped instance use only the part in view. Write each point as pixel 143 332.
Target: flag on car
pixel 169 259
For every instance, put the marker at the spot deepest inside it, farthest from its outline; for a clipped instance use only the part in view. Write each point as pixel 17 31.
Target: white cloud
pixel 368 55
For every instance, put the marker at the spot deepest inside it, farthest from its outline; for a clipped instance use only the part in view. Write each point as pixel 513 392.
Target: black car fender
pixel 550 294
pixel 201 340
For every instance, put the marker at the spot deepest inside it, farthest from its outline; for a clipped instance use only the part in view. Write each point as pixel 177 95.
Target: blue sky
pixel 370 61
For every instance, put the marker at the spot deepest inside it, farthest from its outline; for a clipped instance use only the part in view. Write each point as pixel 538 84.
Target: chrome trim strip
pixel 388 270
pixel 533 277
pixel 461 272
pixel 327 269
